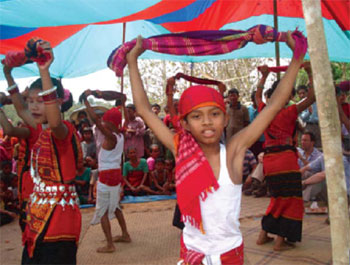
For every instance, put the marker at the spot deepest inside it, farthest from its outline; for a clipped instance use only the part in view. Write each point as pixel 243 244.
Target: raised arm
pixel 170 96
pixel 259 91
pixel 246 137
pixel 310 98
pixel 94 117
pixel 17 99
pixel 11 130
pixel 141 102
pixel 52 107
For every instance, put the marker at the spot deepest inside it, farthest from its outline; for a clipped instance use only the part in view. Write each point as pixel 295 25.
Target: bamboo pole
pixel 330 132
pixel 277 44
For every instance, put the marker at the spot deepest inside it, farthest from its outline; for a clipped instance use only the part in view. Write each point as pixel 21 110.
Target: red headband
pixel 195 97
pixel 114 116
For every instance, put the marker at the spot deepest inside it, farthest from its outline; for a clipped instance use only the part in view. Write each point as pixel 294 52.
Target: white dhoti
pixel 108 199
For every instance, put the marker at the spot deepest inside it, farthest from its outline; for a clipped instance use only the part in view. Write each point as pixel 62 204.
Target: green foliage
pixel 11 114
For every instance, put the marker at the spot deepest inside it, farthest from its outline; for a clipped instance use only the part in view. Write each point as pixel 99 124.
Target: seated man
pixel 315 185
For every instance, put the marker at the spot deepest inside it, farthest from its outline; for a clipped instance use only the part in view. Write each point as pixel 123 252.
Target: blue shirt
pixel 314 154
pixel 308 117
pixel 253 112
pixel 318 166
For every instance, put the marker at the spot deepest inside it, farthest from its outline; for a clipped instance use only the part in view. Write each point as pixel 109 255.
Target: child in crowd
pixel 154 154
pixel 88 144
pixel 134 173
pixel 208 174
pixel 82 182
pixel 158 179
pixel 169 166
pixel 109 185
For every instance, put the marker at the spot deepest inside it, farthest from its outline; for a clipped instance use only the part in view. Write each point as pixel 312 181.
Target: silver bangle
pixel 11 87
pixel 47 92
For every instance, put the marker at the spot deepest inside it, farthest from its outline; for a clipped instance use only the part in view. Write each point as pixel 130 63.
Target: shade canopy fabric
pixel 84 32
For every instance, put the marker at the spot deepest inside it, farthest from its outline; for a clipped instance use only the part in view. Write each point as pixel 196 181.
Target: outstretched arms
pixel 141 101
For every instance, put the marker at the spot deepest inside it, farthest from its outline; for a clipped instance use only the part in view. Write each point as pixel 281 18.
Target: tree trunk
pixel 330 132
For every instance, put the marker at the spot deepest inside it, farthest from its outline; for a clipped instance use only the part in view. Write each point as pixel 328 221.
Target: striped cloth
pixel 207 42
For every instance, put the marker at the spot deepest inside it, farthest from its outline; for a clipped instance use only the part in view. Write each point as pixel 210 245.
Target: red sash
pixel 110 177
pixel 232 257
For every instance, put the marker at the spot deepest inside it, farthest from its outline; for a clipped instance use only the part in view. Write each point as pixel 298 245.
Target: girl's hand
pixel 46 47
pixel 137 50
pixel 290 41
pixel 264 70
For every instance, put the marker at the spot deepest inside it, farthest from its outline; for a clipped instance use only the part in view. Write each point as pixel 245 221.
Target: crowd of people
pixel 207 147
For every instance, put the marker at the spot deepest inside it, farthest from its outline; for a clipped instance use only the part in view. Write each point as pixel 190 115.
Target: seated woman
pixel 134 173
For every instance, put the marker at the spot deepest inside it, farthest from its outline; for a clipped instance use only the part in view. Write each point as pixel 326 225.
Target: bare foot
pixel 106 249
pixel 283 246
pixel 263 238
pixel 122 239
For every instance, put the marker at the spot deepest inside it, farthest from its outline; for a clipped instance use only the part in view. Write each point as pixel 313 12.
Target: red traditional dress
pixel 53 213
pixel 25 182
pixel 284 214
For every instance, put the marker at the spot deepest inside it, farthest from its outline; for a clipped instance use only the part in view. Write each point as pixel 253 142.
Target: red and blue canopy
pixel 84 32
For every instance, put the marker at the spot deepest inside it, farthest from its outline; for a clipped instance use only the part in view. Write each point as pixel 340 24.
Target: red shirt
pixel 281 129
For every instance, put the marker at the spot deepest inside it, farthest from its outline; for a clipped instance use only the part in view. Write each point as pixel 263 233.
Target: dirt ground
pixel 156 241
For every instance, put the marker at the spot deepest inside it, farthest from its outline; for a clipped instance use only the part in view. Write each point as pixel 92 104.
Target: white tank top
pixel 220 216
pixel 111 159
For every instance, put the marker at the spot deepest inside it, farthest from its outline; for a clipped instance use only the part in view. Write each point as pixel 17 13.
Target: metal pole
pixel 330 132
pixel 277 44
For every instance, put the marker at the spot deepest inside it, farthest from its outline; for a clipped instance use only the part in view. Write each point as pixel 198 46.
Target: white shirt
pixel 111 159
pixel 220 216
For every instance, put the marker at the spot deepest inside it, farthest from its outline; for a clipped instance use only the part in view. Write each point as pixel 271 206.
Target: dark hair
pixel 159 160
pixel 252 96
pixel 311 134
pixel 6 162
pixel 82 112
pixel 233 91
pixel 155 105
pixel 68 104
pixel 131 148
pixel 302 87
pixel 346 143
pixel 337 90
pixel 118 102
pixel 37 84
pixel 270 91
pixel 131 106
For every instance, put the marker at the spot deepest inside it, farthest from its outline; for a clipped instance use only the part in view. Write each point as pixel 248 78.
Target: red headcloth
pixel 200 96
pixel 114 116
pixel 194 175
pixel 345 86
